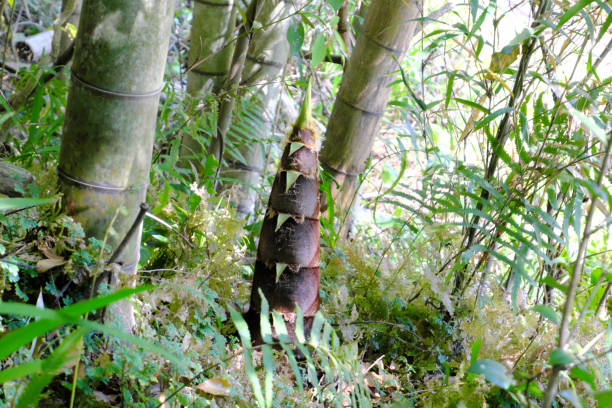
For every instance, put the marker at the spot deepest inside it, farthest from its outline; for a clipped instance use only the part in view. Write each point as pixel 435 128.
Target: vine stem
pixel 564 334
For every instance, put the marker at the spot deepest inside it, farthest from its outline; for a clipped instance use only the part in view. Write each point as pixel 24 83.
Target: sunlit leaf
pixel 570 395
pixel 493 372
pixel 319 50
pixel 604 398
pixel 9 204
pixel 547 312
pixel 560 357
pixel 571 12
pixel 219 387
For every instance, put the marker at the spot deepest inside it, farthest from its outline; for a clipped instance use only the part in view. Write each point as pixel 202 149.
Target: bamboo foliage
pixel 287 266
pixel 105 156
pixel 364 92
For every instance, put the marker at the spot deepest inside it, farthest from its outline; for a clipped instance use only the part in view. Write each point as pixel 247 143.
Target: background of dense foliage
pixel 481 230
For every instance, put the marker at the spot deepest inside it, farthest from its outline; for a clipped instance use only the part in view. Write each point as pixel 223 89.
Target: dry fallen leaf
pixel 44 265
pixel 215 386
pixel 109 399
pixel 52 260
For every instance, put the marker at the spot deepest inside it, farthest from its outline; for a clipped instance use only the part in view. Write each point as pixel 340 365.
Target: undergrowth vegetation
pixel 476 273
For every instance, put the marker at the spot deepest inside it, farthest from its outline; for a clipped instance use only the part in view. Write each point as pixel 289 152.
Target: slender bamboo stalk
pixel 564 334
pixel 116 80
pixel 364 92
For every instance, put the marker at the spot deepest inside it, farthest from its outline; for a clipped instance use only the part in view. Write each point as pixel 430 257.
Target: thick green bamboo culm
pixel 266 58
pixel 210 45
pixel 364 92
pixel 116 79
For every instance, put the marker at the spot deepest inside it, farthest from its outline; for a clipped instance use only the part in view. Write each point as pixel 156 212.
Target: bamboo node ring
pixel 92 185
pixel 107 92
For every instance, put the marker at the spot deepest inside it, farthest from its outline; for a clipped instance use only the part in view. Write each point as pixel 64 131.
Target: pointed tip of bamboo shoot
pixel 304 121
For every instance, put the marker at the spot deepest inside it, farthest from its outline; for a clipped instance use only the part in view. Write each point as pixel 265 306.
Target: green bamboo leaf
pixel 319 49
pixel 315 332
pixel 295 36
pixel 419 101
pixel 547 312
pixel 500 151
pixel 245 338
pixel 264 319
pixel 60 356
pixel 521 37
pixel 9 204
pixel 327 331
pixel 270 370
pixel 293 364
pixel 475 351
pixel 241 326
pixel 335 4
pixel 488 118
pixel 14 340
pixel 18 338
pixel 560 357
pixel 583 374
pixel 552 282
pixel 571 12
pixel 604 398
pixel 299 325
pixel 449 89
pixel 21 370
pixel 478 23
pixel 570 395
pixel 493 372
pixel 473 9
pixel 589 23
pixel 472 104
pixel 61 317
pixel 516 284
pixel 605 26
pixel 280 327
pixel 589 122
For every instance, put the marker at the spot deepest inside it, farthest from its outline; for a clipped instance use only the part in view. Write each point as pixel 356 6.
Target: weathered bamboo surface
pixel 364 92
pixel 210 45
pixel 117 74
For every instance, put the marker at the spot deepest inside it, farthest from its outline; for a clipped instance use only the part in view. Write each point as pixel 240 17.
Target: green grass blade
pixel 9 204
pixel 21 370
